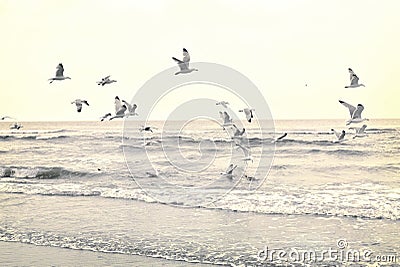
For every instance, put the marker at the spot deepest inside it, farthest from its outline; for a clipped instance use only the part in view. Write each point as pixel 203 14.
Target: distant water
pixel 54 175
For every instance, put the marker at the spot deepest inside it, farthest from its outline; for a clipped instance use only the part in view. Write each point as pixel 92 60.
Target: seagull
pixel 105 116
pixel 146 129
pixel 117 103
pixel 120 113
pixel 229 172
pixel 227 119
pixel 16 126
pixel 222 103
pixel 279 138
pixel 360 132
pixel 339 136
pixel 355 113
pixel 131 109
pixel 59 74
pixel 78 103
pixel 7 117
pixel 106 80
pixel 250 178
pixel 248 112
pixel 184 63
pixel 238 133
pixel 246 152
pixel 353 80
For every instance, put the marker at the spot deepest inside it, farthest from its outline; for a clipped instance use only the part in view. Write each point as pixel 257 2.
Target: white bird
pixel 59 74
pixel 360 132
pixel 229 172
pixel 248 112
pixel 238 133
pixel 353 80
pixel 279 138
pixel 223 103
pixel 246 151
pixel 339 136
pixel 355 113
pixel 226 118
pixel 105 116
pixel 250 178
pixel 131 109
pixel 184 63
pixel 78 103
pixel 16 126
pixel 106 80
pixel 7 117
pixel 146 129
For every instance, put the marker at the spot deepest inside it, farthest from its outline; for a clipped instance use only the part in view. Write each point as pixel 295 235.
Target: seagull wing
pixel 353 79
pixel 121 111
pixel 281 137
pixel 336 133
pixel 362 129
pixel 60 70
pixel 341 136
pixel 117 103
pixel 357 112
pixel 128 105
pixel 248 113
pixel 182 65
pixel 350 107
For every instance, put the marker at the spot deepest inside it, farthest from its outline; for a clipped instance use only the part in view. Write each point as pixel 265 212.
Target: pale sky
pixel 280 45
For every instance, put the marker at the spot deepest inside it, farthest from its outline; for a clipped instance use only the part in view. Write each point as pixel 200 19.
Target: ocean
pixel 159 199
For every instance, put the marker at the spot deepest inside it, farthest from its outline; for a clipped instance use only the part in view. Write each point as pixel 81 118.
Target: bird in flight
pixel 59 74
pixel 184 63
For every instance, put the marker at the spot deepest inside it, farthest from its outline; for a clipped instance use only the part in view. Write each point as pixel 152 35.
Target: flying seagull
pixel 355 113
pixel 78 103
pixel 339 136
pixel 7 117
pixel 360 132
pixel 106 80
pixel 59 74
pixel 146 129
pixel 184 63
pixel 248 112
pixel 223 103
pixel 229 172
pixel 353 80
pixel 131 108
pixel 238 133
pixel 16 126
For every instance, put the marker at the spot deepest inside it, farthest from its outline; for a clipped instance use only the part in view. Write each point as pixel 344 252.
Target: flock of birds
pixel 124 109
pixel 355 117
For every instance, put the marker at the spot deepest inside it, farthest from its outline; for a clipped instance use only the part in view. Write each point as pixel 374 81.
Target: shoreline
pixel 23 254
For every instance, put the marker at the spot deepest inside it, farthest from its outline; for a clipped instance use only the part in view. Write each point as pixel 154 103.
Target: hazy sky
pixel 280 45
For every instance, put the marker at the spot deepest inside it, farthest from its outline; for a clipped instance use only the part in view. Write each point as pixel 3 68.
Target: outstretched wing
pixel 341 136
pixel 350 107
pixel 60 70
pixel 117 103
pixel 362 129
pixel 336 133
pixel 354 79
pixel 182 65
pixel 357 112
pixel 121 111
